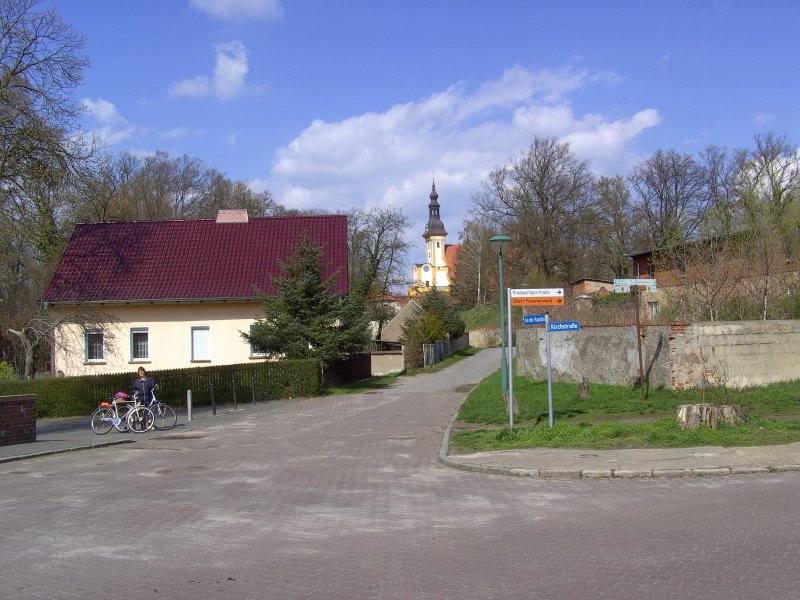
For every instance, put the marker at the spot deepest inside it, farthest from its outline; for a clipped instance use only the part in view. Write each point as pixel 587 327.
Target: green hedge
pixel 72 396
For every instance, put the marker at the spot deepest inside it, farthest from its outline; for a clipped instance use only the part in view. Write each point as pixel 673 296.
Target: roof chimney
pixel 236 215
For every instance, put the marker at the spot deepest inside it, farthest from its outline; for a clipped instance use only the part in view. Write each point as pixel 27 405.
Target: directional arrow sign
pixel 537 297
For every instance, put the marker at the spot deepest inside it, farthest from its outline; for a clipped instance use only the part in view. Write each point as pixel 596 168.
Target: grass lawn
pixel 616 417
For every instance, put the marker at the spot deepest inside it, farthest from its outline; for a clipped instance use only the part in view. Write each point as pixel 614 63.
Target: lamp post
pixel 500 240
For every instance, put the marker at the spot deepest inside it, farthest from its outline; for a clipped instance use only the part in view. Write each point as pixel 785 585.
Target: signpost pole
pixel 510 366
pixel 639 341
pixel 549 370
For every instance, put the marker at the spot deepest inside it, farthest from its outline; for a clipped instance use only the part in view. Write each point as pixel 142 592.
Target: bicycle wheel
pixel 164 415
pixel 140 419
pixel 122 422
pixel 102 420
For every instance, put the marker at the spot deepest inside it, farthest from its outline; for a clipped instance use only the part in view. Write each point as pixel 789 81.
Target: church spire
pixel 435 225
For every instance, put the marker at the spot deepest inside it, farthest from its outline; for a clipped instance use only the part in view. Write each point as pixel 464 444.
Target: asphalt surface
pixel 346 497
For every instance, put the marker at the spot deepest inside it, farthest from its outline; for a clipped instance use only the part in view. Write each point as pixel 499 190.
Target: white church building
pixel 439 268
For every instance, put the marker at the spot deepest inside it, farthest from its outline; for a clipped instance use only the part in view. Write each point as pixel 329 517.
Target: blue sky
pixel 355 103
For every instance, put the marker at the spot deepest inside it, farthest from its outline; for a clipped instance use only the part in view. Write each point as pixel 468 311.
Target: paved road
pixel 343 497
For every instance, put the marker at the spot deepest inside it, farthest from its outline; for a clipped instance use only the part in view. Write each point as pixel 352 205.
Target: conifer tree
pixel 305 318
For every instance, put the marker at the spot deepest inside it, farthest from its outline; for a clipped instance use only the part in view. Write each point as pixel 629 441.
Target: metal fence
pixel 437 352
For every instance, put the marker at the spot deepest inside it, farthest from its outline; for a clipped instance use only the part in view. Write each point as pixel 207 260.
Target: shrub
pixel 70 396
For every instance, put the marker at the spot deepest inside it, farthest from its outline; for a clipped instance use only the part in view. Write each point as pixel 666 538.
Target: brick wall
pixel 17 419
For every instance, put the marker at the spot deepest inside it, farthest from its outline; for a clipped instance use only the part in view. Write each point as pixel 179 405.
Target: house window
pixel 652 307
pixel 201 343
pixel 94 345
pixel 140 343
pixel 253 350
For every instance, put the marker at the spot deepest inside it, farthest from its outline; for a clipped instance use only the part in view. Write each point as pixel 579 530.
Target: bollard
pixel 233 389
pixel 188 405
pixel 213 402
pixel 253 389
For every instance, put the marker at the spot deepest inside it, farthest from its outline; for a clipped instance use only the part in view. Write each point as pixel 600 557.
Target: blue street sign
pixel 532 319
pixel 565 326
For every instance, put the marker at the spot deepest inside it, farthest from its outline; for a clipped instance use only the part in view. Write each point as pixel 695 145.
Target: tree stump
pixel 691 416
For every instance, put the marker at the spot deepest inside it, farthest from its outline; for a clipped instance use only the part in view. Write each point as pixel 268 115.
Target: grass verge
pixel 616 417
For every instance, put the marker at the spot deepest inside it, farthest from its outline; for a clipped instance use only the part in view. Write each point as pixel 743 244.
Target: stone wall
pixel 386 363
pixel 735 354
pixel 17 419
pixel 600 354
pixel 485 338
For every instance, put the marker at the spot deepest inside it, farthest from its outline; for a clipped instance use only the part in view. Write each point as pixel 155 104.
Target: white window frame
pixel 146 331
pixel 197 354
pixel 86 345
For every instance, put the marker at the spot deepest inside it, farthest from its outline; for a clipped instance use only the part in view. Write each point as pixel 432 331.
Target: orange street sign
pixel 538 301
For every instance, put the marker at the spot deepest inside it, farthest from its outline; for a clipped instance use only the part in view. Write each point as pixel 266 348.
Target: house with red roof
pixel 176 294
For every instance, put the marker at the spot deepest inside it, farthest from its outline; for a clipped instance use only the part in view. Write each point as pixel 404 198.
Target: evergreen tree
pixel 305 318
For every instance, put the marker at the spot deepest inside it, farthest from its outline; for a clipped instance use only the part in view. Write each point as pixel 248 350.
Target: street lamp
pixel 500 240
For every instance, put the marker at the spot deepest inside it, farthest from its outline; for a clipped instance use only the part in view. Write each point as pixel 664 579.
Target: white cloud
pixel 193 88
pixel 181 133
pixel 240 10
pixel 388 157
pixel 231 70
pixel 762 118
pixel 228 81
pixel 111 127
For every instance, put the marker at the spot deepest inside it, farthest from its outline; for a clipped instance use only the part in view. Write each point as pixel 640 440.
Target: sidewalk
pixel 68 434
pixel 634 463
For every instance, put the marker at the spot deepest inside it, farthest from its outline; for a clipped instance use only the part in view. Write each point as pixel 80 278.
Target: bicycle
pixel 123 414
pixel 164 416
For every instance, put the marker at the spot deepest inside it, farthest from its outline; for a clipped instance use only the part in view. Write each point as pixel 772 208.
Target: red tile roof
pixel 451 258
pixel 189 260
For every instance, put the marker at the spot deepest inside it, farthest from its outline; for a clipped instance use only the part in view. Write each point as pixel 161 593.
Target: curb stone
pixel 63 450
pixel 449 461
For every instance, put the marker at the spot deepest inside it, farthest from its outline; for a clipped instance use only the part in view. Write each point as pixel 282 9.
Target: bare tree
pixel 42 64
pixel 38 331
pixel 378 251
pixel 670 190
pixel 541 201
pixel 477 261
pixel 708 273
pixel 614 227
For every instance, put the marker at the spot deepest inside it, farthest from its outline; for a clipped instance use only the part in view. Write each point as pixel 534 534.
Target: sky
pixel 341 104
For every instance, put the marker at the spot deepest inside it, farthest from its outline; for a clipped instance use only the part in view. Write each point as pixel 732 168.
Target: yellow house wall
pixel 169 329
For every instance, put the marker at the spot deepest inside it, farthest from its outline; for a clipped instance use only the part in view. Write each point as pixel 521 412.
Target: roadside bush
pixel 70 396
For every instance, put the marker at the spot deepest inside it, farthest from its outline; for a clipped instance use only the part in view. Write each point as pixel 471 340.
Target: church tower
pixel 435 272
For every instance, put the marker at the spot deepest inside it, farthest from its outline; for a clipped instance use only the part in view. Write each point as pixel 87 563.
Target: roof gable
pixel 189 260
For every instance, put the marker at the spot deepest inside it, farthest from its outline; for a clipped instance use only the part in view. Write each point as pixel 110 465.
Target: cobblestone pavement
pixel 343 497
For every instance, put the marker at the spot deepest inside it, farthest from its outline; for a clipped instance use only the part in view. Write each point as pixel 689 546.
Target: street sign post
pixel 533 297
pixel 624 286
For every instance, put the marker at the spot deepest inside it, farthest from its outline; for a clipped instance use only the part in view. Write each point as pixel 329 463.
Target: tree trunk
pixel 27 346
pixel 691 416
